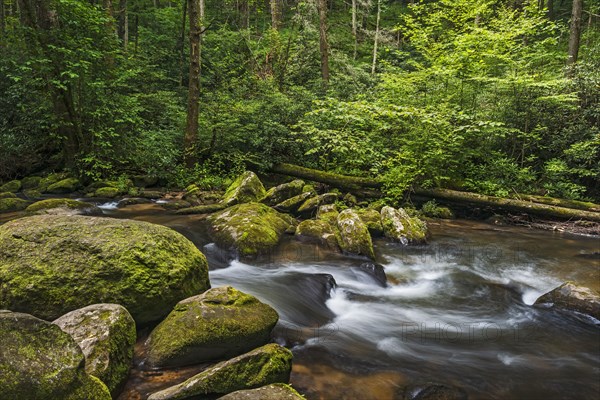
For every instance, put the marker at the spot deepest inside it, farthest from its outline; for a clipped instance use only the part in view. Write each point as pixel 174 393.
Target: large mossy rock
pixel 318 231
pixel 248 229
pixel 38 361
pixel 7 195
pixel 310 206
pixel 106 334
pixel 292 204
pixel 355 237
pixel 50 265
pixel 11 204
pixel 220 323
pixel 268 364
pixel 371 218
pixel 401 227
pixel 282 192
pixel 108 192
pixel 277 391
pixel 68 185
pixel 73 206
pixel 569 296
pixel 12 186
pixel 31 182
pixel 245 189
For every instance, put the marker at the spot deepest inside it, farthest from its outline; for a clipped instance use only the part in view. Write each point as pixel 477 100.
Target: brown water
pixel 457 311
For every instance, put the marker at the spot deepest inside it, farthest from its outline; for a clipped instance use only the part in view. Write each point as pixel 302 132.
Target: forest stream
pixel 456 312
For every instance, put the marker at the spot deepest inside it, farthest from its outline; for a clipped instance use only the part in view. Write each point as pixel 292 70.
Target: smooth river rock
pixel 50 265
pixel 222 322
pixel 38 361
pixel 569 296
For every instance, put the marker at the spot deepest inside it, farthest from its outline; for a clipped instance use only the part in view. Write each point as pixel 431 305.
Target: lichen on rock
pixel 222 322
pixel 401 227
pixel 245 189
pixel 282 192
pixel 355 237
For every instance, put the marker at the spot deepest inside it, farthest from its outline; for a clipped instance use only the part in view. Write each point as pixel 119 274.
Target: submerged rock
pixel 401 227
pixel 355 237
pixel 50 265
pixel 569 296
pixel 202 209
pixel 282 192
pixel 375 271
pixel 248 229
pixel 38 361
pixel 220 323
pixel 278 391
pixel 11 204
pixel 267 364
pixel 245 189
pixel 106 334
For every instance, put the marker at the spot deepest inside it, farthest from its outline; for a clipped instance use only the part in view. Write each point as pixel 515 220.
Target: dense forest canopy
pixel 492 96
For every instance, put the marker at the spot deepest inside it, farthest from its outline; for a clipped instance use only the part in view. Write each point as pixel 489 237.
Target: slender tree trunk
pixel 550 7
pixel 575 32
pixel 123 27
pixel 275 14
pixel 376 38
pixel 182 43
pixel 2 20
pixel 323 43
pixel 354 28
pixel 191 129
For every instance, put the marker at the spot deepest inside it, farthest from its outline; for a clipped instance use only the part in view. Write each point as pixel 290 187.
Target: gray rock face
pixel 569 296
pixel 267 364
pixel 50 265
pixel 222 322
pixel 106 334
pixel 38 361
pixel 355 237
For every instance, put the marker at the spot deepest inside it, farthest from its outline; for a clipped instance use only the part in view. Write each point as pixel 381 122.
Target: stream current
pixel 457 311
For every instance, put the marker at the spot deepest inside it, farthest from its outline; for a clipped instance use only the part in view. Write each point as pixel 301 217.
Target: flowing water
pixel 457 311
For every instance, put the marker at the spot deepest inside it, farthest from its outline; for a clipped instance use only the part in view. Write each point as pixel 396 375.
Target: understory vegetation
pixel 476 95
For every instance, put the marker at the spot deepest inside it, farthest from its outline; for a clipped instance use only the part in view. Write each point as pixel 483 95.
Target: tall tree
pixel 575 31
pixel 323 43
pixel 354 27
pixel 123 27
pixel 2 21
pixel 376 38
pixel 195 11
pixel 275 14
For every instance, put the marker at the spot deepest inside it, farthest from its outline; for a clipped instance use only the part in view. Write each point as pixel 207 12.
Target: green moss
pixel 355 237
pixel 30 182
pixel 267 364
pixel 7 195
pixel 108 192
pixel 320 231
pixel 50 265
pixel 275 391
pixel 280 193
pixel 292 204
pixel 32 193
pixel 12 186
pixel 58 203
pixel 399 226
pixel 68 185
pixel 245 189
pixel 220 323
pixel 11 204
pixel 371 218
pixel 249 229
pixel 204 209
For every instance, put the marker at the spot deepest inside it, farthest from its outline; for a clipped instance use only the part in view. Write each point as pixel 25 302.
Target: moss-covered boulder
pixel 68 185
pixel 371 218
pixel 106 334
pixel 7 195
pixel 49 206
pixel 203 209
pixel 108 192
pixel 11 204
pixel 220 323
pixel 32 194
pixel 50 265
pixel 151 194
pixel 30 182
pixel 329 213
pixel 267 364
pixel 292 204
pixel 38 361
pixel 248 229
pixel 570 296
pixel 401 227
pixel 318 231
pixel 355 237
pixel 310 206
pixel 282 192
pixel 12 186
pixel 277 391
pixel 245 189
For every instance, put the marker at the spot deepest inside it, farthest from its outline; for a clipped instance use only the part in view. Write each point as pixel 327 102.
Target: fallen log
pixel 532 205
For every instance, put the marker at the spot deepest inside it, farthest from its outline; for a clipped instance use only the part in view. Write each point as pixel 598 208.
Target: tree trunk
pixel 354 28
pixel 2 21
pixel 123 27
pixel 275 14
pixel 376 38
pixel 191 129
pixel 575 32
pixel 182 43
pixel 550 6
pixel 324 45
